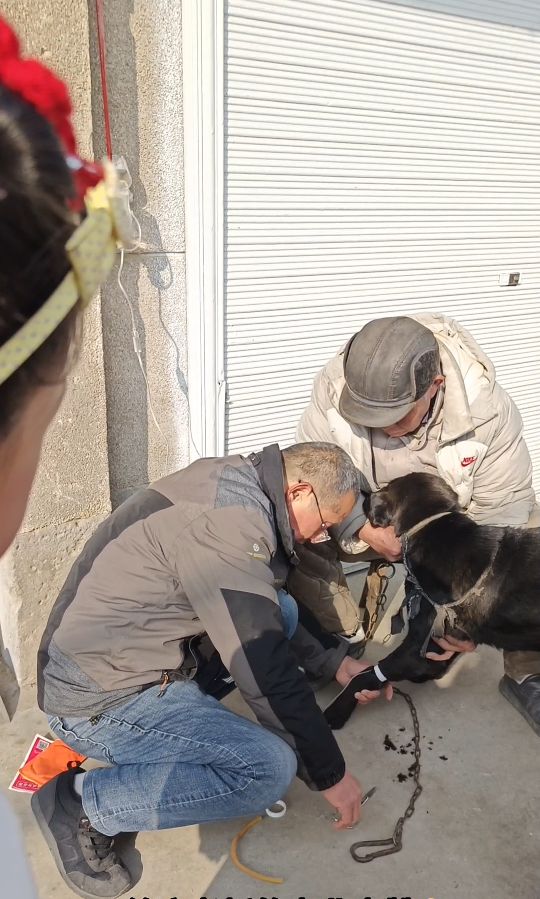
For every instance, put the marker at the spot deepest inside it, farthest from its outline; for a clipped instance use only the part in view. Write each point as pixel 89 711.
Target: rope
pixel 100 16
pixel 244 868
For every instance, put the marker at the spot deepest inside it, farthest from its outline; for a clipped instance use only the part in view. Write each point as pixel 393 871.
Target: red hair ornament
pixel 38 86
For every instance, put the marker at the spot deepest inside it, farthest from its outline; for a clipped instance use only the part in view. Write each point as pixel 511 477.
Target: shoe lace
pixel 100 843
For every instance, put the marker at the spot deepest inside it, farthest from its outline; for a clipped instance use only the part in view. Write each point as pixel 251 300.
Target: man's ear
pixel 299 491
pixel 379 513
pixel 437 382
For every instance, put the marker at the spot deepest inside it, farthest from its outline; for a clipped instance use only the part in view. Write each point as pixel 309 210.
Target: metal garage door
pixel 380 158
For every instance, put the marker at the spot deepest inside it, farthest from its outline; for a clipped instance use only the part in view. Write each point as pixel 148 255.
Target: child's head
pixel 35 223
pixel 36 220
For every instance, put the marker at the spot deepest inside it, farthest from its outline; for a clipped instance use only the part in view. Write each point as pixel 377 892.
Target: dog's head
pixel 408 500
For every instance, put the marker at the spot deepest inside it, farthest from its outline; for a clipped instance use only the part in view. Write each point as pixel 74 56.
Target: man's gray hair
pixel 328 468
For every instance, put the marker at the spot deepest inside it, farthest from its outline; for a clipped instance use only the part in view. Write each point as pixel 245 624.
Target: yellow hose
pixel 236 861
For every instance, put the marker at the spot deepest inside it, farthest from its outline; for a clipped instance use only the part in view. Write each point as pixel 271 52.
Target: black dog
pixel 466 580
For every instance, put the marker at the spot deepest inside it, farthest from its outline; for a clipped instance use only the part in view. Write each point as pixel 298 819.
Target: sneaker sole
pixel 40 814
pixel 509 694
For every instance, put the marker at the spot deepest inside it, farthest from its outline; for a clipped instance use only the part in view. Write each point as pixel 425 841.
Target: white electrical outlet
pixel 509 279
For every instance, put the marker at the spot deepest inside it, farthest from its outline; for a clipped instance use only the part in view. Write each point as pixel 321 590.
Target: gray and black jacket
pixel 202 551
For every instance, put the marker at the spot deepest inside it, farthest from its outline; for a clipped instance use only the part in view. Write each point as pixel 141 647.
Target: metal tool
pixel 336 817
pixel 368 795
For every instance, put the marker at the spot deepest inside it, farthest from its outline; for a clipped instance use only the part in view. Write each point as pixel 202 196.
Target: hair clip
pixel 85 175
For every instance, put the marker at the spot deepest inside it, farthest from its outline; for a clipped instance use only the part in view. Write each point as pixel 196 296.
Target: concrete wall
pixel 104 442
pixel 145 75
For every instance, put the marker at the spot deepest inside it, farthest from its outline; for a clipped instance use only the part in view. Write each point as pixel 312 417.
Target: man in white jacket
pixel 418 394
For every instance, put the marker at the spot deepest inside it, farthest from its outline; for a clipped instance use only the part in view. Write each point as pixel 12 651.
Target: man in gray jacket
pixel 179 592
pixel 417 393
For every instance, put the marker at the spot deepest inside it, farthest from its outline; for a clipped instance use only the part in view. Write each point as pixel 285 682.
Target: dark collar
pixel 409 573
pixel 442 601
pixel 269 467
pixel 411 577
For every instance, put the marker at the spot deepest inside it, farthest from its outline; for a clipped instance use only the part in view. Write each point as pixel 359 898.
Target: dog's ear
pixel 379 512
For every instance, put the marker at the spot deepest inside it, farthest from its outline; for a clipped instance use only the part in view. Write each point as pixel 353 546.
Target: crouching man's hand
pixel 348 669
pixel 345 798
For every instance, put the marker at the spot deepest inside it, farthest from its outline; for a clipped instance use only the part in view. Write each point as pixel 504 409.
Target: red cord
pixel 103 69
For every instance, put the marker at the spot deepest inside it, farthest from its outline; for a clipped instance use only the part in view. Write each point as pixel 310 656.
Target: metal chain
pixel 394 843
pixel 382 597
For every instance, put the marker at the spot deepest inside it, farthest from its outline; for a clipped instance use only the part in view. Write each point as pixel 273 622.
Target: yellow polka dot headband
pixel 91 250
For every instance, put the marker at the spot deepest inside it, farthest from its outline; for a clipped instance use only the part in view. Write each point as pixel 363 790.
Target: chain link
pixel 395 842
pixel 382 597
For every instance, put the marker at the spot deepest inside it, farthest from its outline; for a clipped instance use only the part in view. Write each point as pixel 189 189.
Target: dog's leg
pixel 407 662
pixel 404 663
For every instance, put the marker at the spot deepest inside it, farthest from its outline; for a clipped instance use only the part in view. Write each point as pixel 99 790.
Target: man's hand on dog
pixel 382 540
pixel 348 669
pixel 451 645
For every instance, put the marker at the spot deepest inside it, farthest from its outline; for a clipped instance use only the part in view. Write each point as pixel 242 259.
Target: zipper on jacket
pixel 165 681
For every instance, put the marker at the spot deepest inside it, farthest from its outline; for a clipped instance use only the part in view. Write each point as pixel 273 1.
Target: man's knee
pixel 277 768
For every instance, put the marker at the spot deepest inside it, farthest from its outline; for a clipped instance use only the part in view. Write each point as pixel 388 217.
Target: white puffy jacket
pixel 480 450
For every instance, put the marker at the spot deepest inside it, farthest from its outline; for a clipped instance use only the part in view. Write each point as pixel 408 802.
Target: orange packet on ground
pixel 55 759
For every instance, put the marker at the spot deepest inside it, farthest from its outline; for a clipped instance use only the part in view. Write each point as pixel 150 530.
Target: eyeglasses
pixel 323 536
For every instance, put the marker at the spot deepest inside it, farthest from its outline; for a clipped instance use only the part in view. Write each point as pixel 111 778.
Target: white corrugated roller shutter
pixel 380 158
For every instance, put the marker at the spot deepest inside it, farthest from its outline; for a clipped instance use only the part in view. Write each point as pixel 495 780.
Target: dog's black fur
pixel 448 557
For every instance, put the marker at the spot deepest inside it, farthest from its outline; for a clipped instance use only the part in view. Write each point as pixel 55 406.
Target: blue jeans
pixel 289 613
pixel 178 759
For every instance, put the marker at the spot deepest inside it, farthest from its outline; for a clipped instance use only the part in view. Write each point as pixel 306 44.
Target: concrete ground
pixel 474 835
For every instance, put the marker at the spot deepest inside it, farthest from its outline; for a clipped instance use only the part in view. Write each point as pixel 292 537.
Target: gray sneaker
pixel 525 697
pixel 84 857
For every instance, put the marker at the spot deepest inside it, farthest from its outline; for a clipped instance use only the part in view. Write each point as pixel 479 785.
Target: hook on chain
pixel 395 842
